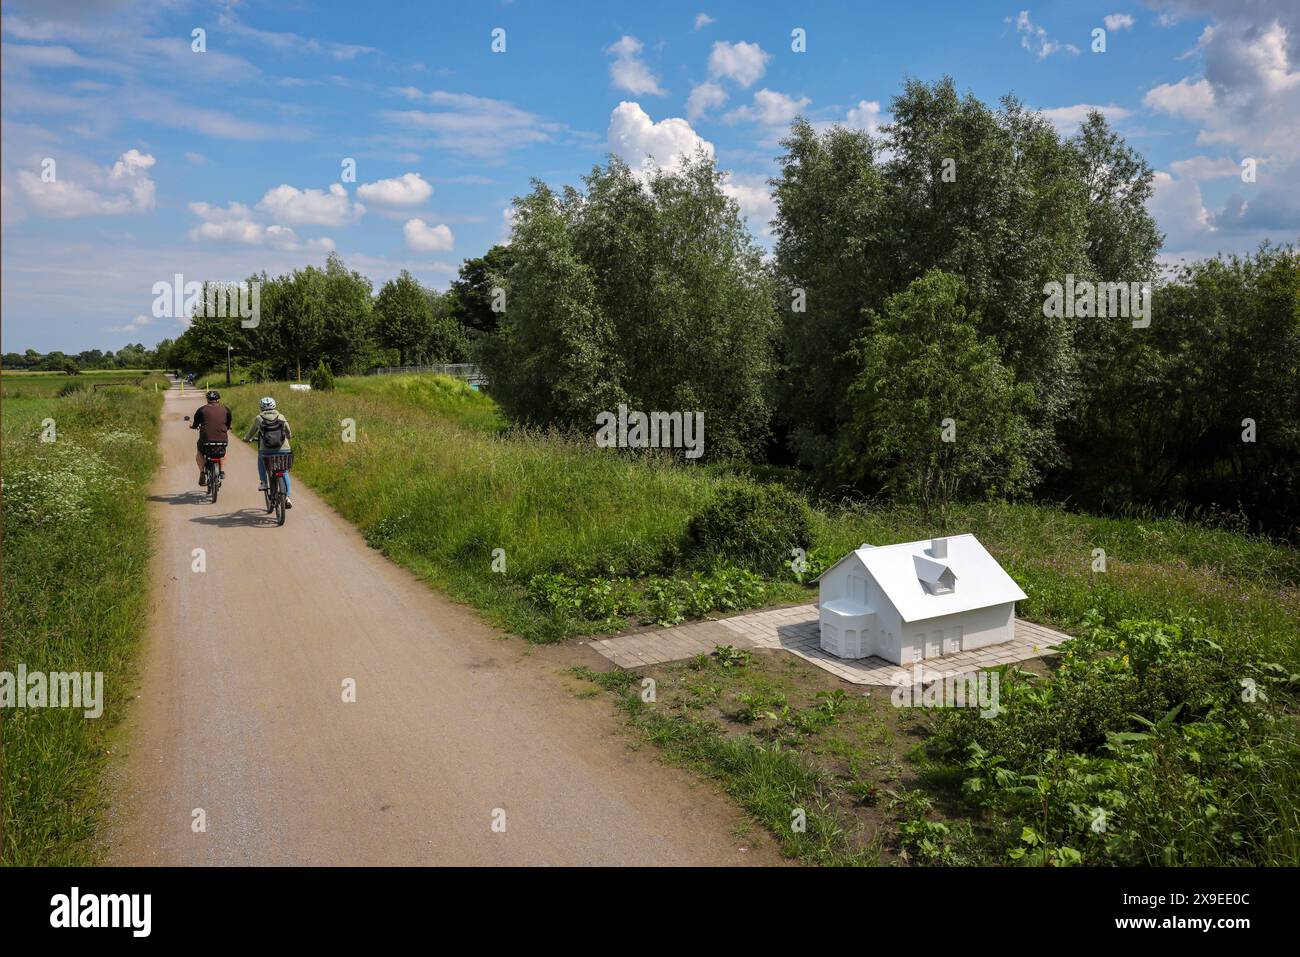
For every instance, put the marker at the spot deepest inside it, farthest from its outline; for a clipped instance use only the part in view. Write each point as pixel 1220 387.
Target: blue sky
pixel 220 163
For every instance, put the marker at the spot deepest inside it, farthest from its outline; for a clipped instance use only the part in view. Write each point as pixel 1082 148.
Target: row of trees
pixel 330 315
pixel 135 356
pixel 896 342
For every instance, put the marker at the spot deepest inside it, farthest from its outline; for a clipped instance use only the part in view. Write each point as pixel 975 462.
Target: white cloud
pixel 769 108
pixel 1067 119
pixel 1179 208
pixel 125 187
pixel 1118 21
pixel 704 97
pixel 1202 168
pixel 702 20
pixel 136 324
pixel 1035 39
pixel 198 159
pixel 865 116
pixel 292 42
pixel 236 224
pixel 742 62
pixel 423 238
pixel 288 204
pixel 646 145
pixel 754 197
pixel 472 125
pixel 628 71
pixel 409 189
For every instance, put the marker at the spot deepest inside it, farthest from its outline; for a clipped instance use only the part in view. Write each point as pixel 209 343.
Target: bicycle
pixel 277 465
pixel 214 454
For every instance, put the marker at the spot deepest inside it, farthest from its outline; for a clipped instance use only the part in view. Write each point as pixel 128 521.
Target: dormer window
pixel 935 577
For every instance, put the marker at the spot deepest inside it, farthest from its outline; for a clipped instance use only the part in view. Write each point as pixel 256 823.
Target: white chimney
pixel 938 548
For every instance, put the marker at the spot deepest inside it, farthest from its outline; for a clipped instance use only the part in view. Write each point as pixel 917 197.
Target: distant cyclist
pixel 213 422
pixel 271 429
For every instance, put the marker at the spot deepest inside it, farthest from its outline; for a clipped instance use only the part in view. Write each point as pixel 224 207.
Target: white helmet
pixel 267 404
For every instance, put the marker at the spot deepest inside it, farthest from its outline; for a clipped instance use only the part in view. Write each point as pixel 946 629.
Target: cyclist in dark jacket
pixel 213 422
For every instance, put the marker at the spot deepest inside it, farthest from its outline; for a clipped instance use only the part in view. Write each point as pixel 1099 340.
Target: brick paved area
pixel 795 630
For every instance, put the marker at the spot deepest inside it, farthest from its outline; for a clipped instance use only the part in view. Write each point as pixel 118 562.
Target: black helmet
pixel 213 395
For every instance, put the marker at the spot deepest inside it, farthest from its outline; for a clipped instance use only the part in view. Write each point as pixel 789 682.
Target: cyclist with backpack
pixel 213 422
pixel 271 429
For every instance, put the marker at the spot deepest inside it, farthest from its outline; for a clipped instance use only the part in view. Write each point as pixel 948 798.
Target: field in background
pixel 21 384
pixel 76 544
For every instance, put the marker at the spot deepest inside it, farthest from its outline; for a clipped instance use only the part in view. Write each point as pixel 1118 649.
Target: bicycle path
pixel 242 750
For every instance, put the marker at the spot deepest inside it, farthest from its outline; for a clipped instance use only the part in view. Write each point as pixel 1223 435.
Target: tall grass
pixel 436 480
pixel 76 549
pixel 433 482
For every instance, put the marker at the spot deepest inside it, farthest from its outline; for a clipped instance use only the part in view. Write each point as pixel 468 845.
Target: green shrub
pixel 753 526
pixel 322 380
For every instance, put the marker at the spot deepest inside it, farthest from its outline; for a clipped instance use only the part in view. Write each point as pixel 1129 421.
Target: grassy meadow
pixel 76 544
pixel 1145 716
pixel 22 384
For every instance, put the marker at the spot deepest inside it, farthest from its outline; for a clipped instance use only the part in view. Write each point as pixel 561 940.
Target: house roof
pixel 897 569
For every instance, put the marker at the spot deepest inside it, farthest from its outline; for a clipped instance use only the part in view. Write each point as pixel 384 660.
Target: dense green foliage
pixel 756 526
pixel 935 413
pixel 650 294
pixel 1153 743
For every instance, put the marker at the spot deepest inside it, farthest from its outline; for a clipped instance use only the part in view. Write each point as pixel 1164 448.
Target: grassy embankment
pixel 76 550
pixel 436 481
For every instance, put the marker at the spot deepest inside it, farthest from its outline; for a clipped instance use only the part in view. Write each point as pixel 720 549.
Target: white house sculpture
pixel 916 600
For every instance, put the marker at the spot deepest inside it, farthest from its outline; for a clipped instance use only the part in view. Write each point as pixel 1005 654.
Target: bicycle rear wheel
pixel 214 480
pixel 279 502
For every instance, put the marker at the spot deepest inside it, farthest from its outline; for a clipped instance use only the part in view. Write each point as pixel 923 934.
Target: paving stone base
pixel 795 630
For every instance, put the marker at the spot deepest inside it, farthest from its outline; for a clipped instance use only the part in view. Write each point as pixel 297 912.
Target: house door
pixel 952 641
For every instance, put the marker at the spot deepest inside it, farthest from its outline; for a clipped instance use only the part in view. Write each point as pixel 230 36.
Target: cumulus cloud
pixel 1202 168
pixel 236 223
pixel 704 97
pixel 409 189
pixel 1067 119
pixel 754 197
pixel 702 20
pixel 1244 100
pixel 1035 39
pixel 628 71
pixel 865 116
pixel 288 204
pixel 742 62
pixel 1118 21
pixel 646 145
pixel 423 238
pixel 125 187
pixel 769 108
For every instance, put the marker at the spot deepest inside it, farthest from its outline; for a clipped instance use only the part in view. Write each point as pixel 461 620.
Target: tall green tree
pixel 648 291
pixel 471 293
pixel 403 316
pixel 346 317
pixel 935 414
